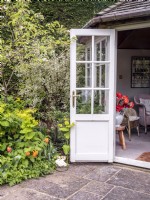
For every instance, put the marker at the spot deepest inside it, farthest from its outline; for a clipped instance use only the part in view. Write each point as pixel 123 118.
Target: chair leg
pixel 138 130
pixel 129 134
pixel 129 131
pixel 145 129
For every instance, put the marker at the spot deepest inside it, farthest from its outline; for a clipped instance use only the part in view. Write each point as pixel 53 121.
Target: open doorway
pixel 134 44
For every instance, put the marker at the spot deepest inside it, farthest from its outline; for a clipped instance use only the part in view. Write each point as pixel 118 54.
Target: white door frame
pixel 117 159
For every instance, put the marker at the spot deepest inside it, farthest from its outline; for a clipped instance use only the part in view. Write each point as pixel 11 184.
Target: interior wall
pixel 124 72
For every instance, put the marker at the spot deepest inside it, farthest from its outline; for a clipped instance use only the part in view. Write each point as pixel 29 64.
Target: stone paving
pixel 84 182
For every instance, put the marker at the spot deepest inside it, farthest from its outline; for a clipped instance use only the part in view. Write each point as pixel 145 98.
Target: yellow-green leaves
pixel 4 123
pixel 1 110
pixel 2 107
pixel 66 149
pixel 65 127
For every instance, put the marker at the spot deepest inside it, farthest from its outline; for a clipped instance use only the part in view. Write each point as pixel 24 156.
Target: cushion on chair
pixel 133 118
pixel 146 103
pixel 148 113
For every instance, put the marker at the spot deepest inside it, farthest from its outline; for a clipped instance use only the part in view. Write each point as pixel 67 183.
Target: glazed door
pixel 92 94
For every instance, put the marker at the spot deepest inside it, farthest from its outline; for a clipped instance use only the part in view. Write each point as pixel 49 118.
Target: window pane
pixel 101 72
pixel 83 102
pixel 84 48
pixel 101 99
pixel 84 75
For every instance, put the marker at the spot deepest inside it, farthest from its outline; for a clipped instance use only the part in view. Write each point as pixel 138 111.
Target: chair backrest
pixel 130 112
pixel 142 96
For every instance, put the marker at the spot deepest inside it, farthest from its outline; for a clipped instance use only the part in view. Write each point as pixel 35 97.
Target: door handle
pixel 73 98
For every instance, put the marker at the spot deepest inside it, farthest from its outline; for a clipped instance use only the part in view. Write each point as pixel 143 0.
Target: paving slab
pixel 132 179
pixel 28 194
pixel 81 195
pixel 6 190
pixel 119 193
pixel 103 174
pixel 57 185
pixel 82 170
pixel 98 188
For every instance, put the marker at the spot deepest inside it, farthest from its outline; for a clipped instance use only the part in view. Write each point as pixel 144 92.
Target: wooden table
pixel 120 130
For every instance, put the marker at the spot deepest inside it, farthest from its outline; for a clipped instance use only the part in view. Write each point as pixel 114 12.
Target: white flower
pixel 60 162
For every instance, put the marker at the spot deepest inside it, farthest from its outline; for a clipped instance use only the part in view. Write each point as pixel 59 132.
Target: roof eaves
pixel 107 17
pixel 127 15
pixel 97 17
pixel 92 22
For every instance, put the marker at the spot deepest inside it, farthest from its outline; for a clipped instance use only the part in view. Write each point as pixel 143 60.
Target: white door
pixel 92 92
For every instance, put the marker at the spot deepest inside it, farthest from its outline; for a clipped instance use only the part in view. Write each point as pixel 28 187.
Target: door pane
pixel 103 53
pixel 101 98
pixel 100 49
pixel 84 48
pixel 83 102
pixel 101 78
pixel 84 75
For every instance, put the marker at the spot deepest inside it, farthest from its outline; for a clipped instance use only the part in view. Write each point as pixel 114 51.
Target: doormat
pixel 144 157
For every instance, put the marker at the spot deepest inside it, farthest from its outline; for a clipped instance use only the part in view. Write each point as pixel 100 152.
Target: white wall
pixel 124 69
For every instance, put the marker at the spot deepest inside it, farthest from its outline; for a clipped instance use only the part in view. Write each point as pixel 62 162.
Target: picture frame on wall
pixel 140 72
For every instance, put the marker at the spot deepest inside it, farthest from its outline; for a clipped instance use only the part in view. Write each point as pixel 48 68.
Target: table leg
pixel 122 139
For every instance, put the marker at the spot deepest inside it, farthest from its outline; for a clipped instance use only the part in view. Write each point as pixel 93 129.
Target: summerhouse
pixel 110 54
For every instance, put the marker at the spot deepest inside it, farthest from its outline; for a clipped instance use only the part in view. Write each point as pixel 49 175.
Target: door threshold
pixel 132 162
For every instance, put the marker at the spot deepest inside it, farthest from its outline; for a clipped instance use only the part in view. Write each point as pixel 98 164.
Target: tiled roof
pixel 122 10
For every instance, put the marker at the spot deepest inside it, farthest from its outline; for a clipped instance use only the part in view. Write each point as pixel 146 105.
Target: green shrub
pixel 25 152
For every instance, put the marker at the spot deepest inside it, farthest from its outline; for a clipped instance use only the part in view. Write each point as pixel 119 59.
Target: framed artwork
pixel 140 72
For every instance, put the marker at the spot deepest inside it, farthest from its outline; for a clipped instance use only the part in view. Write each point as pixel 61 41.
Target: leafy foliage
pixel 23 148
pixel 34 59
pixel 65 127
pixel 12 171
pixel 70 13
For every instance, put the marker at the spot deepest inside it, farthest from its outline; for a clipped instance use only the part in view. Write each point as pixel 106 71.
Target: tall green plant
pixel 65 127
pixel 34 60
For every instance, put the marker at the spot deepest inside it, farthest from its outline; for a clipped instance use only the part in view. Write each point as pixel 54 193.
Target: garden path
pixel 94 181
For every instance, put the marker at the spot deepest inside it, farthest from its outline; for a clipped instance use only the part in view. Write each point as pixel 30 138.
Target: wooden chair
pixel 131 120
